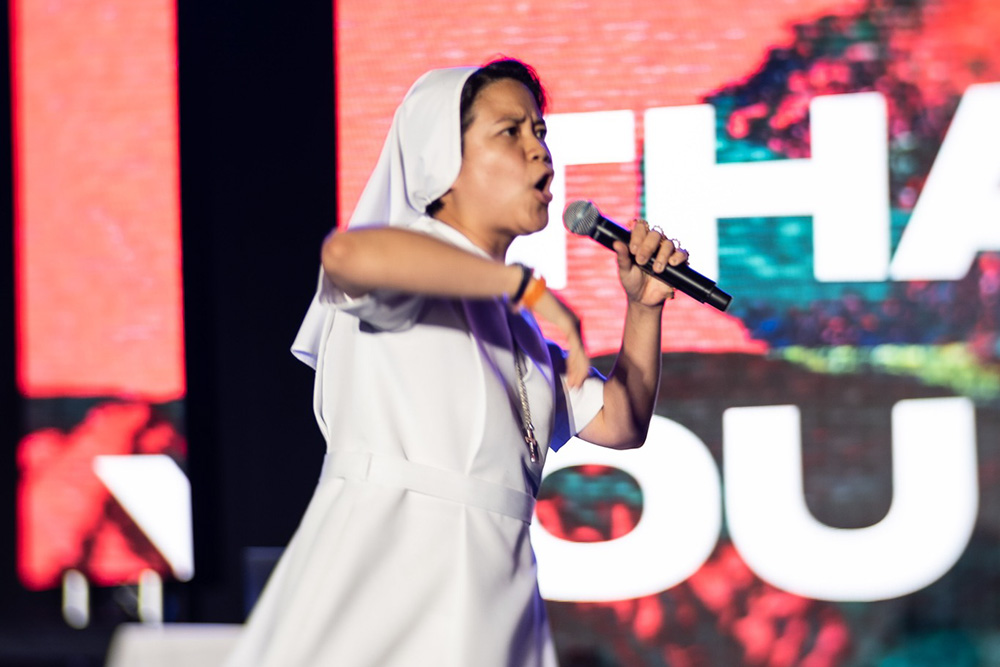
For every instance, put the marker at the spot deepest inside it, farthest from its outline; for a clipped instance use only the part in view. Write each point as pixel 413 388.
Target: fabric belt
pixel 430 481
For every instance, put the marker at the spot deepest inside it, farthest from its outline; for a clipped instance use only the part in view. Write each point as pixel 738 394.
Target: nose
pixel 537 150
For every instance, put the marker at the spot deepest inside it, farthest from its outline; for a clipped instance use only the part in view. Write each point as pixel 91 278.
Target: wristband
pixel 526 273
pixel 534 292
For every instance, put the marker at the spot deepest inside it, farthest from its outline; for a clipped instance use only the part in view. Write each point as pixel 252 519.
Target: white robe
pixel 415 547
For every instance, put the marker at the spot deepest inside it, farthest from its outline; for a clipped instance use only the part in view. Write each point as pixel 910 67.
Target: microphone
pixel 583 218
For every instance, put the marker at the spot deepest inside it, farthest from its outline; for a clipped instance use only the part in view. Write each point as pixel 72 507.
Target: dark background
pixel 258 162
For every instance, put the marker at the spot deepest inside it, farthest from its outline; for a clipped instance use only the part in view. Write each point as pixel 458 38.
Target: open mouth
pixel 542 185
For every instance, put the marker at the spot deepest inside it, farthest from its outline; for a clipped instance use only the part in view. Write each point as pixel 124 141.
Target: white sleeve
pixel 584 402
pixel 383 310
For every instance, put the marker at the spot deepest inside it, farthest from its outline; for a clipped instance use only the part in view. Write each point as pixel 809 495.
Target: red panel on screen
pixel 590 60
pixel 98 274
pixel 588 56
pixel 97 200
pixel 953 35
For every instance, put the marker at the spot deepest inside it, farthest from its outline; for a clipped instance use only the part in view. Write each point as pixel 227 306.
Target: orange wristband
pixel 533 292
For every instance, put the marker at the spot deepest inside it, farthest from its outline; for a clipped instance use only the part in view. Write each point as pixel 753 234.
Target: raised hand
pixel 647 243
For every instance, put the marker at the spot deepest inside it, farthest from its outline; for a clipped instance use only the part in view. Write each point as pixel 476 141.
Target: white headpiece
pixel 420 160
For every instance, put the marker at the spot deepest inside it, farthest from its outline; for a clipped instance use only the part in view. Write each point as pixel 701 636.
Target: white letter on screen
pixel 599 137
pixel 156 494
pixel 929 523
pixel 844 186
pixel 960 201
pixel 679 526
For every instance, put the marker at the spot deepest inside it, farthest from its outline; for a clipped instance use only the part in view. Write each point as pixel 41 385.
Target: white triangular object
pixel 156 494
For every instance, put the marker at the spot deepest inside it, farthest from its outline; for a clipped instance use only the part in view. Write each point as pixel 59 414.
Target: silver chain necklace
pixel 522 390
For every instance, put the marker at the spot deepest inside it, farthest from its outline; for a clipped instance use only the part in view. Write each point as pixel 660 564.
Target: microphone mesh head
pixel 580 217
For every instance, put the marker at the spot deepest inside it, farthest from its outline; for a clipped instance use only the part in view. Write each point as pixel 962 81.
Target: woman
pixel 439 398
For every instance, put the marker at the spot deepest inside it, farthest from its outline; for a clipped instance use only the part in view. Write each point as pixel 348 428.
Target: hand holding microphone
pixel 582 217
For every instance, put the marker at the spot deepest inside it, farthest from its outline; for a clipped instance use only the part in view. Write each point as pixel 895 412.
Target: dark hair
pixel 497 70
pixel 507 68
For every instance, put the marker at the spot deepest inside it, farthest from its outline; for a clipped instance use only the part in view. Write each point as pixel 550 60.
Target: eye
pixel 510 131
pixel 541 131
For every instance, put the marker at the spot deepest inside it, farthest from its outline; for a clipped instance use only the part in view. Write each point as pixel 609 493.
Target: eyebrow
pixel 518 120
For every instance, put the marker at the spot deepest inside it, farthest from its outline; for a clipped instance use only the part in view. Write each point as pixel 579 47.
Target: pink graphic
pixel 68 519
pixel 752 623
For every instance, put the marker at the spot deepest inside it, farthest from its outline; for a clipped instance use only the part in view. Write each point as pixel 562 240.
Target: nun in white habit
pixel 439 398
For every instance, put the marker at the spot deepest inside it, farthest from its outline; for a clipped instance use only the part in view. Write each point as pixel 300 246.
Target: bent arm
pixel 360 261
pixel 630 391
pixel 386 258
pixel 631 388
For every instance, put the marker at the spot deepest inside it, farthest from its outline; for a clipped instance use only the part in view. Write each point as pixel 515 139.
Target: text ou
pixel 927 528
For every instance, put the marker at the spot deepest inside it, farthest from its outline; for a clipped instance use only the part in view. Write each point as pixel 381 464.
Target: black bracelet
pixel 526 273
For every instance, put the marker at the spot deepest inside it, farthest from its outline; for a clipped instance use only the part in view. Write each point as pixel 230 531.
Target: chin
pixel 531 223
pixel 538 224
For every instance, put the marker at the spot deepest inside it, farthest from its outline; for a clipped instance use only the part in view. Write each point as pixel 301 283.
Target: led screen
pixel 98 292
pixel 818 486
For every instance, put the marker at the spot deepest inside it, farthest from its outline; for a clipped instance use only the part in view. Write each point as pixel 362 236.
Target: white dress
pixel 414 549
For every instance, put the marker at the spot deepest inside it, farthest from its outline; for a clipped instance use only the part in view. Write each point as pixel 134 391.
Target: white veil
pixel 420 160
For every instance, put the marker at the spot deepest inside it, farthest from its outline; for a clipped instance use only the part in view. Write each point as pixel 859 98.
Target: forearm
pixel 631 388
pixel 360 261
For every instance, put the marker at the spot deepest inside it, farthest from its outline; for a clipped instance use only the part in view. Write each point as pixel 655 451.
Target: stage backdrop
pixel 100 357
pixel 820 485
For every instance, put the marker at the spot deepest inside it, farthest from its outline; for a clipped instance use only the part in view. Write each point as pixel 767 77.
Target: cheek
pixel 493 172
pixel 491 169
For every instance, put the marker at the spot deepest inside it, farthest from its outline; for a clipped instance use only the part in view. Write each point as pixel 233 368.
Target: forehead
pixel 502 98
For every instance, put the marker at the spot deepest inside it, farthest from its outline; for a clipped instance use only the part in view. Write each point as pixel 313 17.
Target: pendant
pixel 532 443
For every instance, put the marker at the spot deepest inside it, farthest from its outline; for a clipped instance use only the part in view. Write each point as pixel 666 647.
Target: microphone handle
pixel 682 277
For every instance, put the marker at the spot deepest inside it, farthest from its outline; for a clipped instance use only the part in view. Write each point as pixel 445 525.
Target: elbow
pixel 335 252
pixel 622 445
pixel 340 257
pixel 638 433
pixel 633 438
pixel 616 436
pixel 622 427
pixel 634 442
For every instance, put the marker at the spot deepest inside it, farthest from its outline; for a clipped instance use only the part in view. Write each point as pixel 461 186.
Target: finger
pixel 664 254
pixel 646 247
pixel 624 258
pixel 640 229
pixel 651 247
pixel 679 257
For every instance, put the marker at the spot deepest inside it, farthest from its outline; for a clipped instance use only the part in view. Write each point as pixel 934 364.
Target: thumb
pixel 624 258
